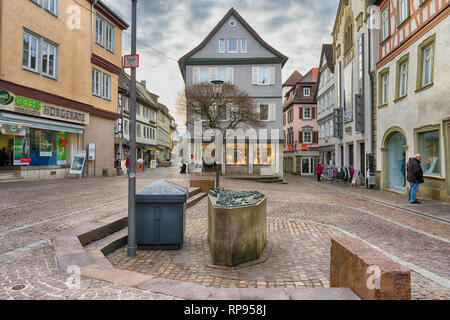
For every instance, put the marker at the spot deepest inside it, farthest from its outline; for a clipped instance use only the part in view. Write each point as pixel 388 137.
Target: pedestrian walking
pixel 127 164
pixel 403 168
pixel 319 170
pixel 415 177
pixel 183 169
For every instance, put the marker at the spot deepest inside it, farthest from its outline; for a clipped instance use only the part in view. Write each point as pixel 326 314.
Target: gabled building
pixel 413 107
pixel 234 52
pixel 325 96
pixel 301 130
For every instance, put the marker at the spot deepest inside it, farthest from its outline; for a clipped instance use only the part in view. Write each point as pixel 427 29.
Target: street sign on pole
pixel 131 247
pixel 131 61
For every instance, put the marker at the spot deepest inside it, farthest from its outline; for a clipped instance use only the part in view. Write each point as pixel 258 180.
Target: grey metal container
pixel 161 216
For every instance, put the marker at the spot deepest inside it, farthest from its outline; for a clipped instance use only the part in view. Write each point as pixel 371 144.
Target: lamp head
pixel 217 85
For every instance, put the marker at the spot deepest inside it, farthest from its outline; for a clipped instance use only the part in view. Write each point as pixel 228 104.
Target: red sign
pixel 305 147
pixel 290 146
pixel 63 143
pixel 192 157
pixel 131 61
pixel 25 160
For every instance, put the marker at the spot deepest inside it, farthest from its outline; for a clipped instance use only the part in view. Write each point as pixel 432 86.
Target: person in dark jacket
pixel 415 177
pixel 183 168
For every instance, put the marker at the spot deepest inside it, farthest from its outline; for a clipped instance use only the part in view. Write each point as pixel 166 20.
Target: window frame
pixel 38 51
pixel 109 47
pixel 381 75
pixel 310 113
pixel 418 132
pixel 304 132
pixel 222 41
pixel 109 89
pixel 260 111
pixel 385 34
pixel 307 89
pixel 103 28
pixel 56 4
pixel 427 43
pixel 228 45
pixel 398 83
pixel 244 46
pixel 55 62
pixel 96 71
pixel 399 12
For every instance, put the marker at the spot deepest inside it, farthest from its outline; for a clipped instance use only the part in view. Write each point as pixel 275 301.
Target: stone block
pixel 180 289
pixel 238 234
pixel 369 273
pixel 204 184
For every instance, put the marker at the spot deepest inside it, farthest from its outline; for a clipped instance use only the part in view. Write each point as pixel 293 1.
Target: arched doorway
pixel 396 164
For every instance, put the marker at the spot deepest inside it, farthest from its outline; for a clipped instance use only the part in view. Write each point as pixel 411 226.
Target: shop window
pixel 237 153
pixel 263 154
pixel 45 148
pixel 429 149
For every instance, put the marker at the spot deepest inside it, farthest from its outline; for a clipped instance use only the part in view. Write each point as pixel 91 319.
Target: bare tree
pixel 232 109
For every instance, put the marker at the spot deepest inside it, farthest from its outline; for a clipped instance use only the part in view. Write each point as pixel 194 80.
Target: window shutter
pixel 313 115
pixel 300 113
pixel 255 75
pixel 230 75
pixel 196 72
pixel 272 112
pixel 272 75
pixel 214 74
pixel 300 137
pixel 315 137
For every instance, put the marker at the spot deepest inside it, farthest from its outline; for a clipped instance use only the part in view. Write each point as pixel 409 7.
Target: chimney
pixel 144 83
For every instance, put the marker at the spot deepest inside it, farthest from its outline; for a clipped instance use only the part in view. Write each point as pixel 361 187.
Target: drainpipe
pixel 371 107
pixel 92 25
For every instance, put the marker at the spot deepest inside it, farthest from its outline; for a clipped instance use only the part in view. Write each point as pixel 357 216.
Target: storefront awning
pixel 12 127
pixel 45 124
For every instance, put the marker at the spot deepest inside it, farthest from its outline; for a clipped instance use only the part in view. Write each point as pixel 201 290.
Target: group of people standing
pixel 412 170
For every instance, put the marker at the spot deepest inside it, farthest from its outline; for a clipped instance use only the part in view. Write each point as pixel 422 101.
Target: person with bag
pixel 415 177
pixel 319 170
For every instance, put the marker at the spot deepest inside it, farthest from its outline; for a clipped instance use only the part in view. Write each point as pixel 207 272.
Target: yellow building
pixel 163 137
pixel 58 85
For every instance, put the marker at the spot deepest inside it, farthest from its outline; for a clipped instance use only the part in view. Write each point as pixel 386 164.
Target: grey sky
pixel 297 28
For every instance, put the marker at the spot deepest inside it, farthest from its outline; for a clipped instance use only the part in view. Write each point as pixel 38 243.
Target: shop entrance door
pixel 396 161
pixel 6 152
pixel 307 167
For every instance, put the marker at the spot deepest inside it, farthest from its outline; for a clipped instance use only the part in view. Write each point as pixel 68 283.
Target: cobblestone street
pixel 302 216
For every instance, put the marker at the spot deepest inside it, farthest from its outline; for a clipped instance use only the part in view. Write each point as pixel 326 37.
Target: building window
pixel 290 116
pixel 109 35
pixel 237 153
pixel 138 130
pixel 221 46
pixel 38 2
pixel 401 88
pixel 307 137
pixel 51 6
pixel 385 28
pixel 106 86
pixel 96 82
pixel 264 112
pixel 126 127
pixel 31 49
pixel 348 36
pixel 204 75
pixel 429 149
pixel 306 92
pixel 233 45
pixel 403 11
pixel 425 61
pixel 243 45
pixel 49 59
pixel 263 75
pixel 384 88
pixel 263 154
pixel 427 71
pixel 100 31
pixel 403 79
pixel 307 113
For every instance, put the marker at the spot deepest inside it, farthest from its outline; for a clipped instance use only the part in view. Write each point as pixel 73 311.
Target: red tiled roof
pixel 293 79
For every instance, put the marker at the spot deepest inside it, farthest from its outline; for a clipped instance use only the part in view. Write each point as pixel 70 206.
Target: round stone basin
pixel 236 234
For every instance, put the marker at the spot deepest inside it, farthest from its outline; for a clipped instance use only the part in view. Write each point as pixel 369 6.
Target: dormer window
pixel 306 92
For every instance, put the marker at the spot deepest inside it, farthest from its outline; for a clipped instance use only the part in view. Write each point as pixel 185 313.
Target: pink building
pixel 301 130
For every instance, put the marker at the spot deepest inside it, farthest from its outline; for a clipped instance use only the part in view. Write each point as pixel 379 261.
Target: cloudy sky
pixel 296 28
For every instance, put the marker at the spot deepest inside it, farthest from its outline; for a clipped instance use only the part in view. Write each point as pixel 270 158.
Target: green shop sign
pixel 28 103
pixel 6 97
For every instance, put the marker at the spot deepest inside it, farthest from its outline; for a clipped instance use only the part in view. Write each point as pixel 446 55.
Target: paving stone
pixel 249 294
pixel 180 289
